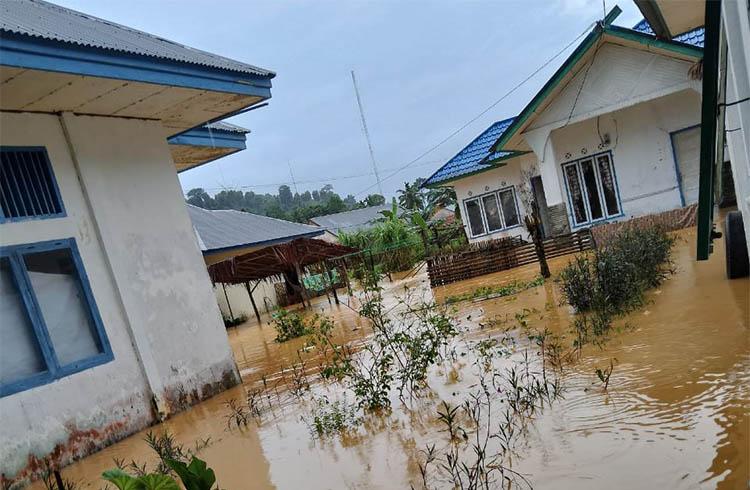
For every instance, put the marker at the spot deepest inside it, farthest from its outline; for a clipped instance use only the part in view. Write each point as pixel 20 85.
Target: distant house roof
pixel 470 159
pixel 351 221
pixel 52 22
pixel 222 230
pixel 693 38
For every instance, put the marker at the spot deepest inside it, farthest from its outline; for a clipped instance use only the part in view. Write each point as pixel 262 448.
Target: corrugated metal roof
pixel 226 228
pixel 53 22
pixel 351 221
pixel 225 126
pixel 693 38
pixel 469 159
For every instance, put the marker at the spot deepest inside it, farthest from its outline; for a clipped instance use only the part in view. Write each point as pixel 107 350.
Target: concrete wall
pixel 125 209
pixel 240 302
pixel 641 147
pixel 492 180
pixel 642 154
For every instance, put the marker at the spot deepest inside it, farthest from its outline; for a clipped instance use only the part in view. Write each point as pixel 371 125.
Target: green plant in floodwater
pixel 449 418
pixel 53 480
pixel 194 476
pixel 398 354
pixel 238 415
pixel 468 461
pixel 491 292
pixel 330 418
pixel 604 374
pixel 612 279
pixel 288 325
pixel 166 448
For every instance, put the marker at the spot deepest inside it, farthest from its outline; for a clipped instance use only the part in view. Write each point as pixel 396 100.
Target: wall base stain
pixel 83 442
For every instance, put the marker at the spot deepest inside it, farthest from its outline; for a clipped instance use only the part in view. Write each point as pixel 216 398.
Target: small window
pixel 51 327
pixel 474 212
pixel 510 211
pixel 492 212
pixel 28 188
pixel 592 189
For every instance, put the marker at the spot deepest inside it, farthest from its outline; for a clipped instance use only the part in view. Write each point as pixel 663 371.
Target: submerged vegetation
pixel 175 462
pixel 491 292
pixel 399 353
pixel 612 280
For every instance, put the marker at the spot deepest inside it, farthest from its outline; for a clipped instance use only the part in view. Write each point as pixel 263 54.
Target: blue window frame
pixel 51 327
pixel 591 186
pixel 28 188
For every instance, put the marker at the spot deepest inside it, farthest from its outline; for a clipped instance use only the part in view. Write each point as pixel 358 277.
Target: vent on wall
pixel 28 188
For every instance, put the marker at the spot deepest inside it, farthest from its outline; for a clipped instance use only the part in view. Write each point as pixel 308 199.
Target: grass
pixel 491 292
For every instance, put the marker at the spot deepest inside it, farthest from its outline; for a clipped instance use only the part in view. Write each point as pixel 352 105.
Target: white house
pixel 109 321
pixel 613 134
pixel 725 113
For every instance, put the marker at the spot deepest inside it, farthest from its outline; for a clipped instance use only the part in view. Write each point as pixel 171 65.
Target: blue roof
pixel 693 38
pixel 469 160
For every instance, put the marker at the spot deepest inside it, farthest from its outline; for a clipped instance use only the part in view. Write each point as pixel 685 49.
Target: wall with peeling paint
pixel 126 211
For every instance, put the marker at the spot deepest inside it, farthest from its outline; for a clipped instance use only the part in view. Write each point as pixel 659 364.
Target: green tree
pixel 286 199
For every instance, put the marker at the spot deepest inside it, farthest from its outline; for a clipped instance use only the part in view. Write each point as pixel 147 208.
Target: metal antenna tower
pixel 291 174
pixel 367 134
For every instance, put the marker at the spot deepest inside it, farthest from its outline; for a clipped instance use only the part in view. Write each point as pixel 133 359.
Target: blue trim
pixel 678 174
pixel 273 241
pixel 55 188
pixel 54 370
pixel 214 138
pixel 41 54
pixel 571 212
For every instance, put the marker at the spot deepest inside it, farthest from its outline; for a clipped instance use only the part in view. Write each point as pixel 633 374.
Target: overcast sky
pixel 424 69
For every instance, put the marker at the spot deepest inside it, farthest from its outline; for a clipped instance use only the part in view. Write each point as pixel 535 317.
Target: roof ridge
pixel 61 10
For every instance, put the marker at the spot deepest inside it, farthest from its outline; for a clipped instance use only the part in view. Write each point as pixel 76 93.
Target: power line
pixel 316 181
pixel 485 111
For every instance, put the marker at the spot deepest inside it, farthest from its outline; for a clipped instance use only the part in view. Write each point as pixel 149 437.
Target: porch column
pixel 540 141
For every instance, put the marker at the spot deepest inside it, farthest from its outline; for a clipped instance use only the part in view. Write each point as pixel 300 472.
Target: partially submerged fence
pixel 674 219
pixel 498 255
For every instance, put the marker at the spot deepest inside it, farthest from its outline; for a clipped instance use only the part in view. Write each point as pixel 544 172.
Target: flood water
pixel 675 413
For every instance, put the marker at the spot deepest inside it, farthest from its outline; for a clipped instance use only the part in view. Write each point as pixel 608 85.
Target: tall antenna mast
pixel 291 174
pixel 367 134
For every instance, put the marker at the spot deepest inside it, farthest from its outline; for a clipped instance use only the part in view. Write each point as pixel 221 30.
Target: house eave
pixel 29 52
pixel 600 33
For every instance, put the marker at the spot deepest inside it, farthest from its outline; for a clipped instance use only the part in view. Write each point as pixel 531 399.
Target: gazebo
pixel 244 248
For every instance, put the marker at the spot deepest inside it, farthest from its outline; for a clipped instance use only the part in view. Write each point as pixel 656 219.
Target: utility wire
pixel 485 111
pixel 301 182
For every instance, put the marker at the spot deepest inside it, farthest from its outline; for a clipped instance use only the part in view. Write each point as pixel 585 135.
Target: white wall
pixel 240 302
pixel 737 27
pixel 492 180
pixel 641 149
pixel 617 77
pixel 126 211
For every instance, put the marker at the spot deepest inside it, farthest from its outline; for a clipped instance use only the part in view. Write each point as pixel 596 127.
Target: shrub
pixel 612 280
pixel 288 325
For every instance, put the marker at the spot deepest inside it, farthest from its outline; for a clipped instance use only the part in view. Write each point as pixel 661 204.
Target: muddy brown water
pixel 675 414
